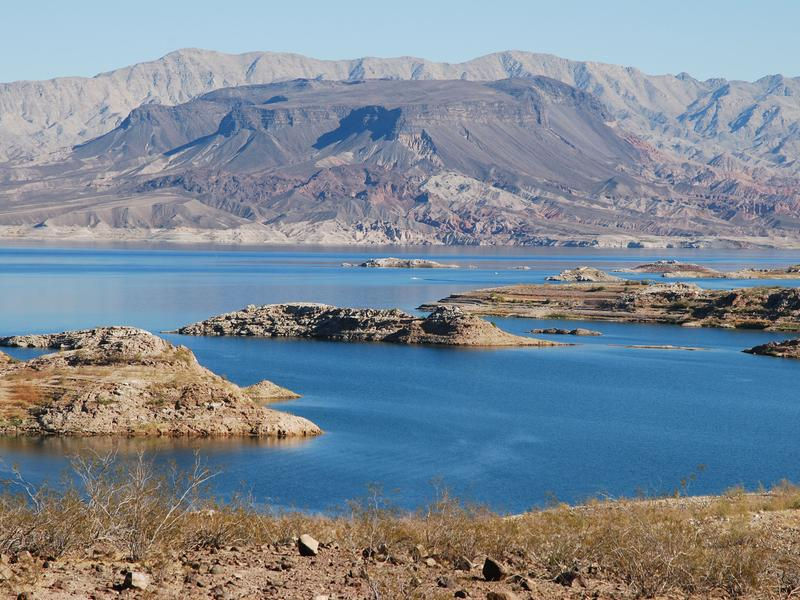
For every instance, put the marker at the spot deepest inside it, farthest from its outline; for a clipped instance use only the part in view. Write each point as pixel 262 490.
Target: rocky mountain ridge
pixel 512 148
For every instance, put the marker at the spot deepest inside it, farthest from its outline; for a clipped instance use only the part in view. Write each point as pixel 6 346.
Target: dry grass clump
pixel 734 545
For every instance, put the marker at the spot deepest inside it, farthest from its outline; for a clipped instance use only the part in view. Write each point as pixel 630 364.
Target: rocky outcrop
pixel 558 331
pixel 784 349
pixel 767 308
pixel 448 326
pixel 267 391
pixel 126 381
pixel 405 263
pixel 674 269
pixel 790 272
pixel 678 270
pixel 583 274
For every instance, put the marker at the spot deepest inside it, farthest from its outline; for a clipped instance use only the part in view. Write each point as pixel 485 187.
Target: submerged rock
pixel 445 325
pixel 126 381
pixel 582 274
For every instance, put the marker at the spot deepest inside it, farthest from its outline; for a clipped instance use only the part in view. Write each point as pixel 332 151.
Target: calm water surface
pixel 506 427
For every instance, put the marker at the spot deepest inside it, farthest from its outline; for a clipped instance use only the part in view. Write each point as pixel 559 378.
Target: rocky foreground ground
pixel 766 308
pixel 733 546
pixel 126 381
pixel 444 326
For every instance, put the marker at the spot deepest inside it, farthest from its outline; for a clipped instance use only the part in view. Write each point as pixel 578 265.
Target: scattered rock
pixel 493 570
pixel 443 581
pixel 462 563
pixel 430 562
pixel 136 580
pixel 307 545
pixel 461 594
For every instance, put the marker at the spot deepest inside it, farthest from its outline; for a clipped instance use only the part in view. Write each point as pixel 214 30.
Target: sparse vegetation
pixel 734 545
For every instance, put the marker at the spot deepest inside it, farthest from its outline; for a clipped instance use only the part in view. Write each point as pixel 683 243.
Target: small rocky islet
pixel 401 263
pixel 783 349
pixel 448 326
pixel 127 381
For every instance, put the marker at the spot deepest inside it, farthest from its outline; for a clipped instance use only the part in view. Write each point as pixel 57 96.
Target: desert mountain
pixel 508 148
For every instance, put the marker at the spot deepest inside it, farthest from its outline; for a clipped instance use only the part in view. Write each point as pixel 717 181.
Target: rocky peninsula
pixel 767 308
pixel 784 349
pixel 126 381
pixel 677 270
pixel 448 326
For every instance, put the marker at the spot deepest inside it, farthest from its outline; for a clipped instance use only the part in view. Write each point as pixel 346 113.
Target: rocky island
pixel 405 263
pixel 126 381
pixel 448 326
pixel 784 349
pixel 767 308
pixel 559 331
pixel 582 274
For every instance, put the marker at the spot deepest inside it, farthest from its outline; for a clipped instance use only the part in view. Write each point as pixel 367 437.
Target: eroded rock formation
pixel 445 326
pixel 126 381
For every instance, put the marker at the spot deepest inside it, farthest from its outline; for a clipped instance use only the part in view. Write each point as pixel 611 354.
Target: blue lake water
pixel 505 427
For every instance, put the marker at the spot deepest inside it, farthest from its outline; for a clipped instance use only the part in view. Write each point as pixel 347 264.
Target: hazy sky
pixel 707 38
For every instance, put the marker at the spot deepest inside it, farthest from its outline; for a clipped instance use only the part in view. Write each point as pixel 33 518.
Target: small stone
pixel 307 545
pixel 493 570
pixel 136 580
pixel 443 582
pixel 502 595
pixel 216 570
pixel 521 581
pixel 5 572
pixel 461 594
pixel 430 562
pixel 570 578
pixel 462 563
pixel 418 552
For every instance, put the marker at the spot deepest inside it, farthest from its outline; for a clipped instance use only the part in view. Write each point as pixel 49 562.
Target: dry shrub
pixel 655 547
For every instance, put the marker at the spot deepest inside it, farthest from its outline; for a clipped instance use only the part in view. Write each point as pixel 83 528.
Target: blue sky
pixel 707 38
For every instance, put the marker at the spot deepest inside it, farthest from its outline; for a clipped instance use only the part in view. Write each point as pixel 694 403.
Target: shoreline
pixel 259 236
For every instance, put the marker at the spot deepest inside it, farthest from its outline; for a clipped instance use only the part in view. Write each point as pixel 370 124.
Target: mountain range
pixel 509 148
